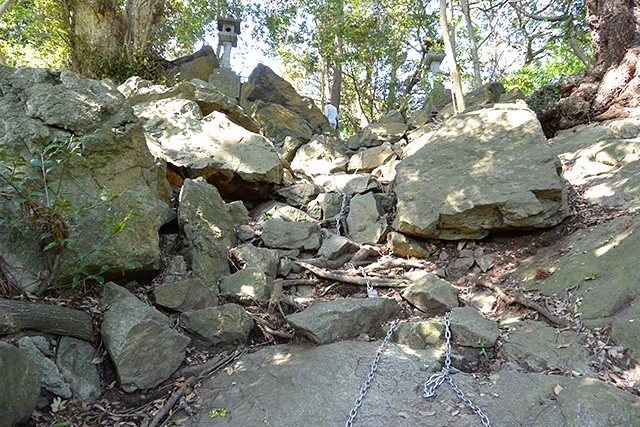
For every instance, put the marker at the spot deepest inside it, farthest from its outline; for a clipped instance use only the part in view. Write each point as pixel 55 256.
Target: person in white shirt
pixel 332 114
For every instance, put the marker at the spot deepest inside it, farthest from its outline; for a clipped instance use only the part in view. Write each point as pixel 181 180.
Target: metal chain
pixel 430 386
pixel 371 292
pixel 343 210
pixel 437 379
pixel 372 373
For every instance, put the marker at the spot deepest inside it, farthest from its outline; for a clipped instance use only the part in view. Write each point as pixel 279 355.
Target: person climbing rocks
pixel 332 114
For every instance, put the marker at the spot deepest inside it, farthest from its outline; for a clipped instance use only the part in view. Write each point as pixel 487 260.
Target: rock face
pixel 266 86
pixel 248 285
pixel 197 66
pixel 483 171
pixel 291 235
pixel 73 359
pixel 142 346
pixel 20 385
pixel 38 105
pixel 227 324
pixel 365 220
pixel 343 319
pixel 333 374
pixel 603 159
pixel 207 228
pixel 470 329
pixel 184 295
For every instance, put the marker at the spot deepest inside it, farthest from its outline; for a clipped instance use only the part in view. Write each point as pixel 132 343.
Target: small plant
pixel 266 216
pixel 218 413
pixel 483 351
pixel 58 405
pixel 35 187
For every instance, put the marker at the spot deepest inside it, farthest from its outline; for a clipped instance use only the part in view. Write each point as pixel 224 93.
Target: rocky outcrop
pixel 343 319
pixel 20 378
pixel 483 171
pixel 483 96
pixel 207 230
pixel 39 105
pixel 196 66
pixel 266 86
pixel 142 346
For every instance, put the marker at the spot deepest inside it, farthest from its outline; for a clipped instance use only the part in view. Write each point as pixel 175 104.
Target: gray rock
pixel 238 213
pixel 349 184
pixel 366 220
pixel 485 261
pixel 50 377
pixel 602 160
pixel 321 156
pixel 418 119
pixel 470 329
pixel 337 246
pixel 378 133
pixel 537 347
pixel 403 246
pixel 597 261
pixel 39 105
pixel 266 260
pixel 289 147
pixel 226 324
pixel 248 285
pixel 353 143
pixel 277 233
pixel 176 270
pixel 279 123
pixel 198 65
pixel 265 85
pixel 331 204
pixel 185 295
pixel 462 264
pixel 333 374
pixel 142 346
pixel 239 162
pixel 75 361
pixel 502 176
pixel 207 230
pixel 431 294
pixel 393 116
pixel 418 335
pixel 246 233
pixel 624 330
pixel 19 385
pixel 483 96
pixel 326 322
pixel 368 160
pixel 273 209
pixel 300 194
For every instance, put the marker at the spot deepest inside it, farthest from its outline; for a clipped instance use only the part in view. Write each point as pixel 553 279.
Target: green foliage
pixel 42 207
pixel 221 412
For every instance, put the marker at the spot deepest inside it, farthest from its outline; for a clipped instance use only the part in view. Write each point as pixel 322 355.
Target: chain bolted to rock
pixel 429 387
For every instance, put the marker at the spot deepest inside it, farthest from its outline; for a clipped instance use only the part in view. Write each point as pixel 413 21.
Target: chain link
pixel 372 373
pixel 371 292
pixel 343 210
pixel 430 386
pixel 437 379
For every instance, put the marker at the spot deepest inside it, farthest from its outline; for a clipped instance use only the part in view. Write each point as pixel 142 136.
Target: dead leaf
pixel 427 413
pixel 563 345
pixel 557 389
pixel 542 274
pixel 403 415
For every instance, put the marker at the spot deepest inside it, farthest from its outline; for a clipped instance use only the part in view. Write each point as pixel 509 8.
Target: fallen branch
pixel 519 299
pixel 198 372
pixel 343 277
pixel 396 263
pixel 16 316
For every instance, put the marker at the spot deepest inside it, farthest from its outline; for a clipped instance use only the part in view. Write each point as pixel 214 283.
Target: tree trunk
pixel 451 53
pixel 615 37
pixel 612 88
pixel 472 42
pixel 336 85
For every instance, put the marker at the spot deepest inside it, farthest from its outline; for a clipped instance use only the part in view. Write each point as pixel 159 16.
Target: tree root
pixel 519 299
pixel 340 276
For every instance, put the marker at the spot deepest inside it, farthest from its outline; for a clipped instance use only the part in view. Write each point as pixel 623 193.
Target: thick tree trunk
pixel 612 88
pixel 615 36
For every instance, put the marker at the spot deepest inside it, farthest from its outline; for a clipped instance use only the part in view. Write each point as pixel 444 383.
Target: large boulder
pixel 483 171
pixel 322 156
pixel 265 85
pixel 196 66
pixel 142 346
pixel 602 159
pixel 483 96
pixel 19 385
pixel 278 122
pixel 378 133
pixel 143 93
pixel 36 107
pixel 207 230
pixel 242 164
